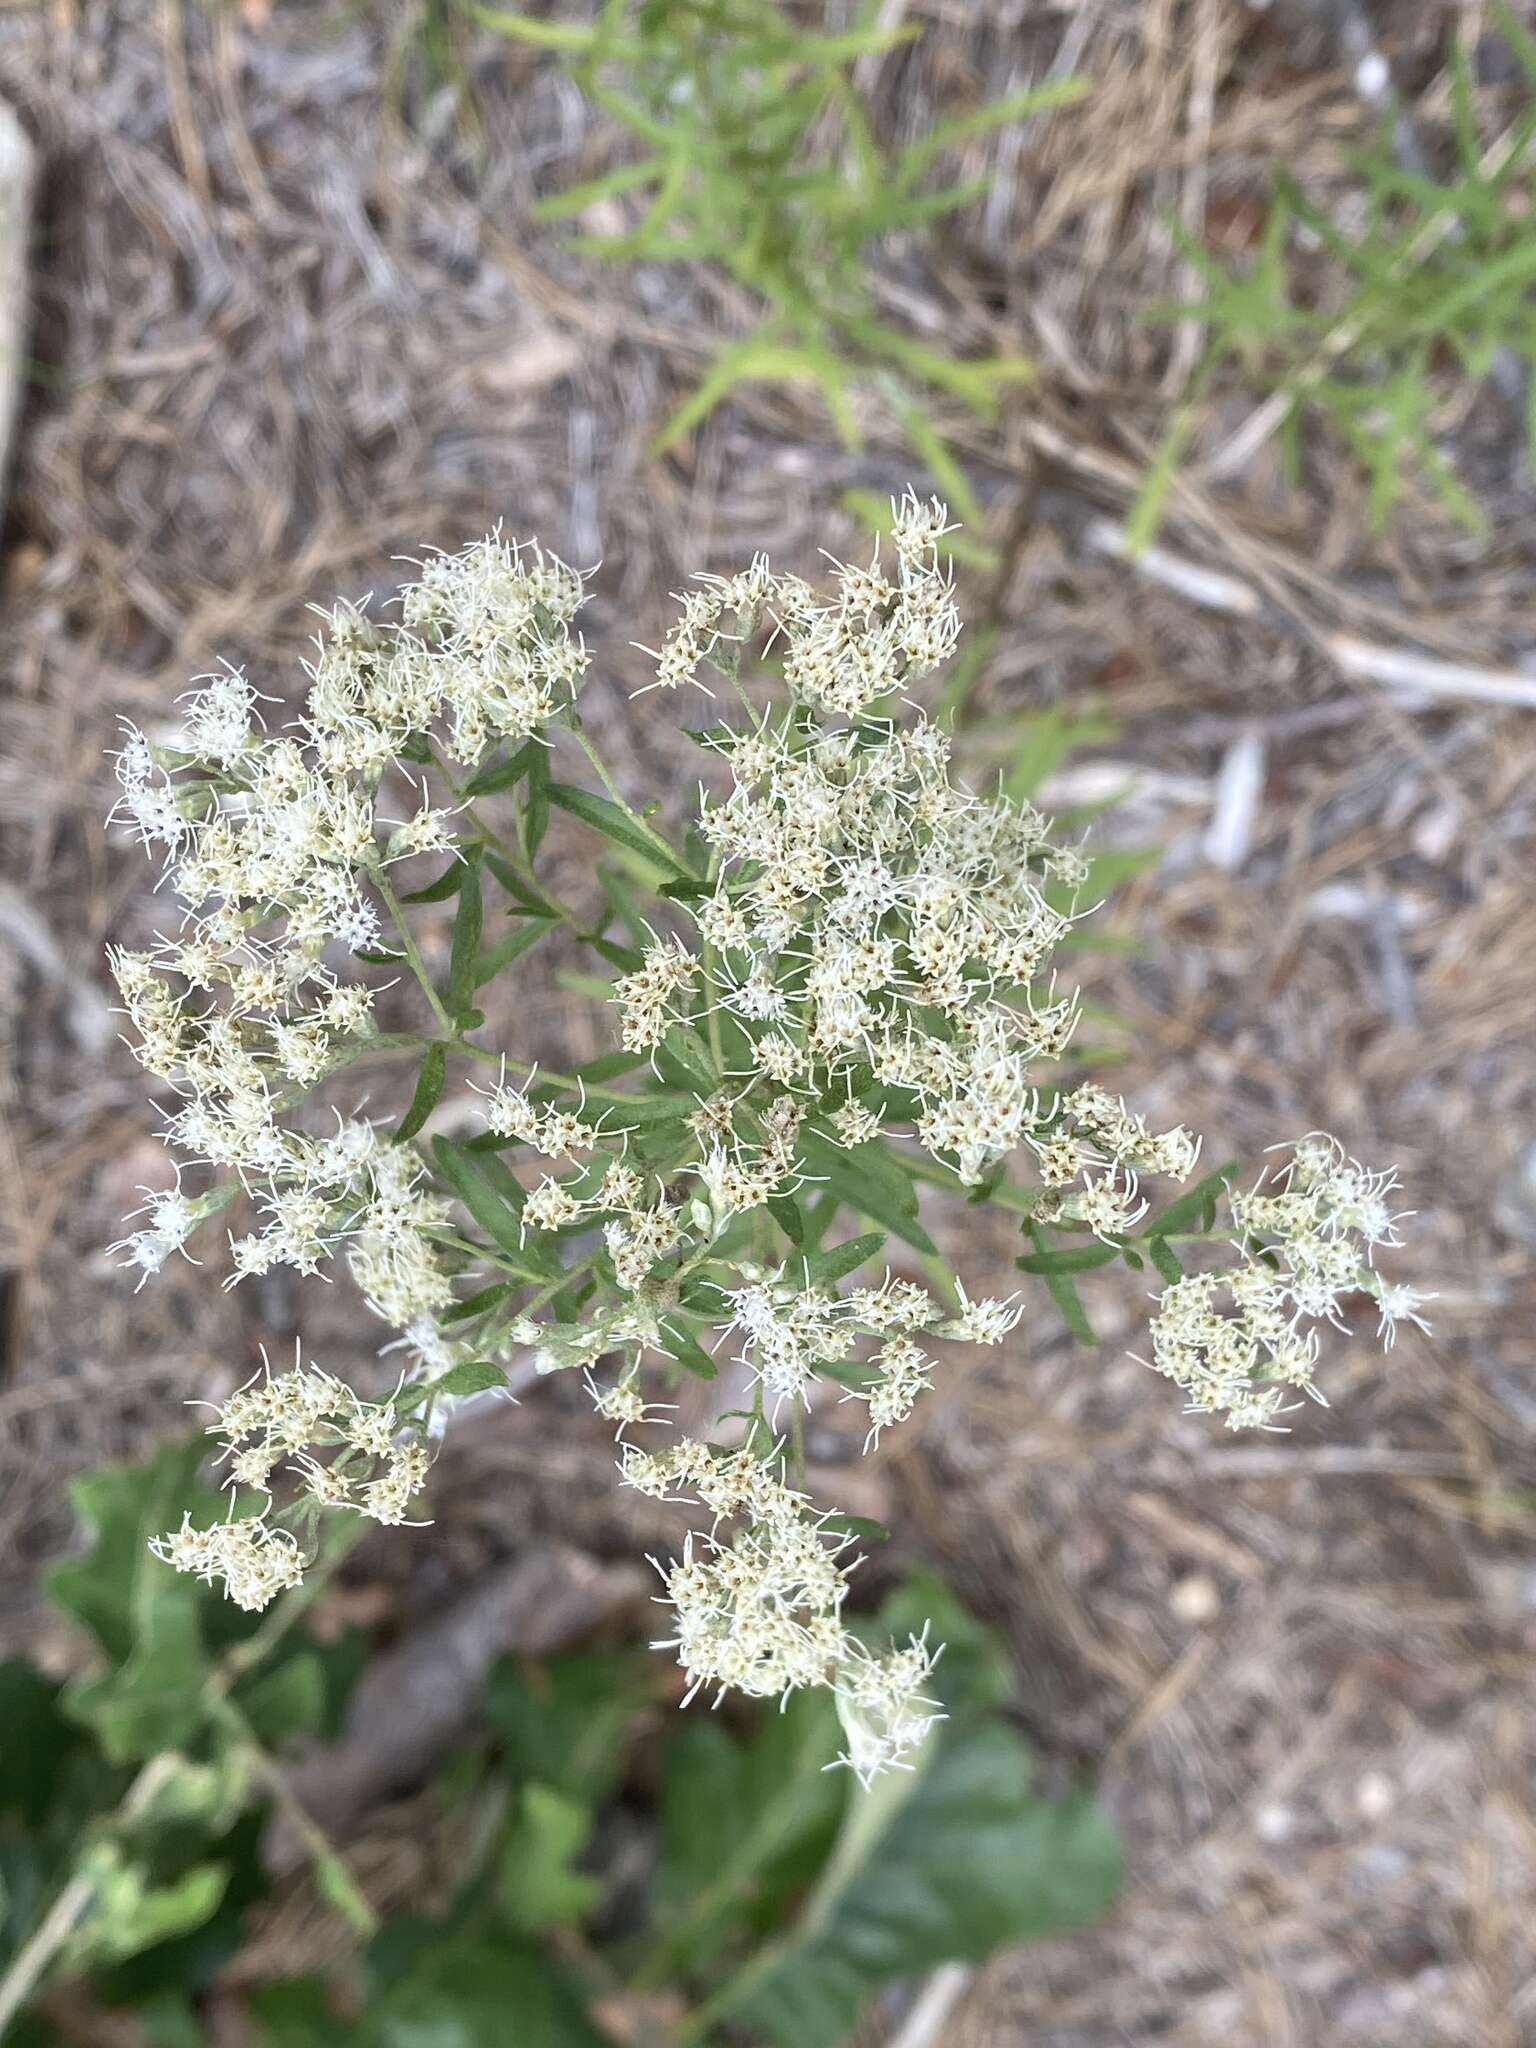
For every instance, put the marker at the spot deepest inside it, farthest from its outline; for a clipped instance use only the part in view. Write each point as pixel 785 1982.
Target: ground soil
pixel 292 322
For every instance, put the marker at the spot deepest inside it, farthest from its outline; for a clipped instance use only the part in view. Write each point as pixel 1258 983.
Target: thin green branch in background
pixel 762 159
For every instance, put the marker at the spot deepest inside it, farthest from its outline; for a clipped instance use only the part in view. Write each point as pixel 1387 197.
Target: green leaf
pixel 684 1064
pixel 484 1299
pixel 446 885
pixel 619 825
pixel 1068 1258
pixel 490 963
pixel 744 1825
pixel 536 803
pixel 288 1700
pixel 514 885
pixel 564 1723
pixel 539 1885
pixel 1164 1258
pixel 168 2021
pixel 1195 1209
pixel 143 1615
pixel 573 199
pixel 295 2014
pixel 823 1269
pixel 1061 1290
pixel 500 775
pixel 574 38
pixel 463 1991
pixel 945 1864
pixel 472 1376
pixel 494 1198
pixel 129 1914
pixel 1146 514
pixel 868 1180
pixel 427 1092
pixel 36 1743
pixel 467 926
pixel 1018 106
pixel 785 1211
pixel 682 1345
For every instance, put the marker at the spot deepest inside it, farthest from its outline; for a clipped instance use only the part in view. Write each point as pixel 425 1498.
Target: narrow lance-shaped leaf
pixel 424 1098
pixel 467 926
pixel 1060 1288
pixel 617 824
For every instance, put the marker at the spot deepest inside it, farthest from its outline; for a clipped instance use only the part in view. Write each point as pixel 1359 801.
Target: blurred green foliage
pixel 779 1896
pixel 758 154
pixel 1369 329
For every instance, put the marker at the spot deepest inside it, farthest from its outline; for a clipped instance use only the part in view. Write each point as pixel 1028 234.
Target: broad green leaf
pixel 128 1913
pixel 564 1723
pixel 168 2021
pixel 426 1094
pixel 460 1990
pixel 36 1742
pixel 947 1864
pixel 744 1824
pixel 295 2014
pixel 286 1701
pixel 472 1376
pixel 539 1885
pixel 144 1616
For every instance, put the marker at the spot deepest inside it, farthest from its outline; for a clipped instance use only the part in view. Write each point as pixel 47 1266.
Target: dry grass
pixel 287 331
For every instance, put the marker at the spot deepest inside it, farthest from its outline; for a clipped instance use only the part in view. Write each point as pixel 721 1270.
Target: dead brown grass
pixel 288 330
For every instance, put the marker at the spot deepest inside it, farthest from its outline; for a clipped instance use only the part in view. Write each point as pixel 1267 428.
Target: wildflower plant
pixel 842 989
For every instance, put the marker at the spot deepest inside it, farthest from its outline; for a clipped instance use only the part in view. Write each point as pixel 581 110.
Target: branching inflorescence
pixel 841 987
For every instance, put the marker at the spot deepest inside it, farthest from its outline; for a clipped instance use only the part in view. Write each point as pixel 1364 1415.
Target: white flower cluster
pixel 277 848
pixel 1236 1340
pixel 793 1333
pixel 345 1453
pixel 880 930
pixel 251 1559
pixel 873 962
pixel 761 1612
